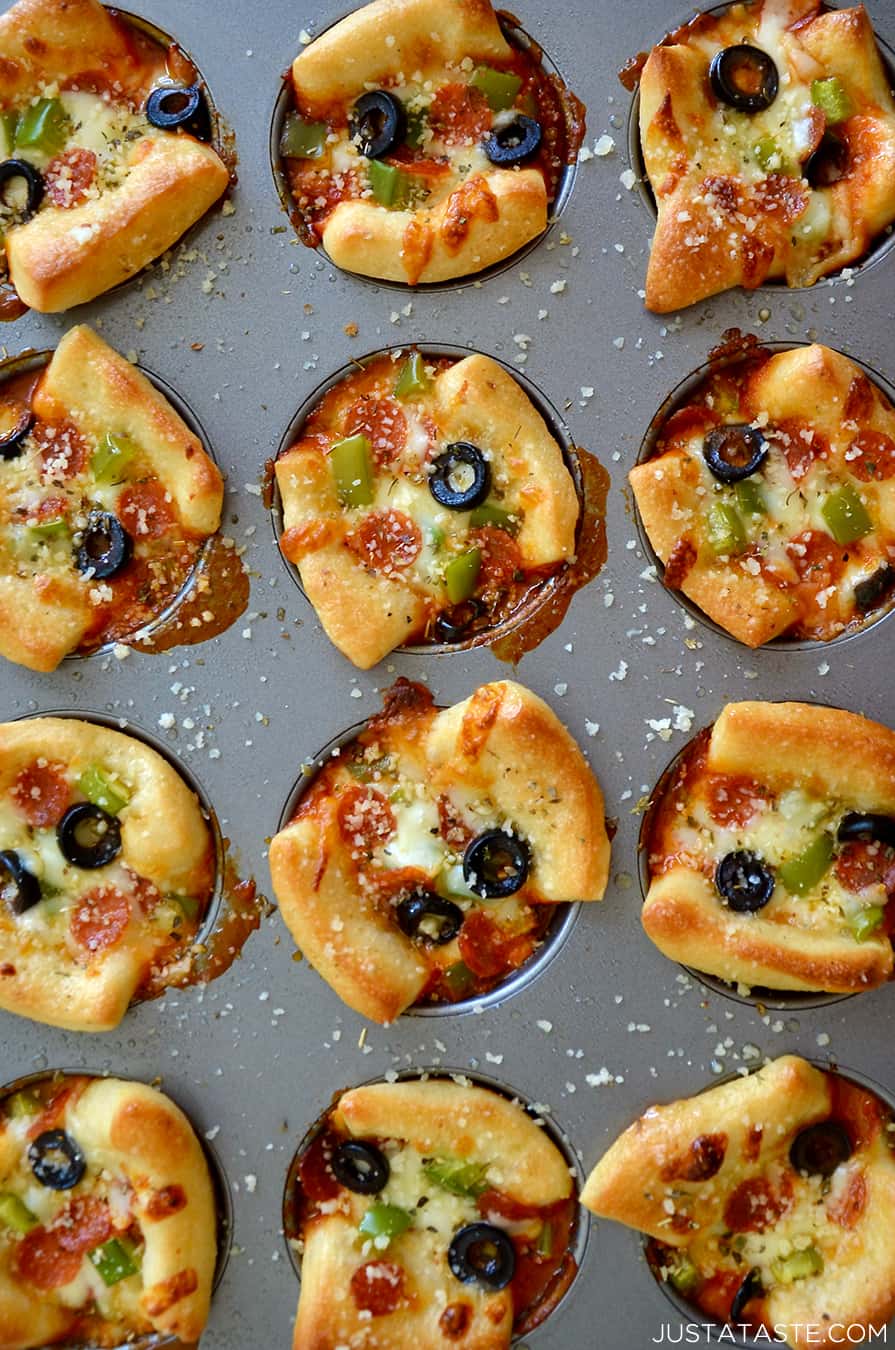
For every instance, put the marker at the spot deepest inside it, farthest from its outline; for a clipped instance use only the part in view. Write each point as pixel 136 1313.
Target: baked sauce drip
pixel 631 71
pixel 11 307
pixel 217 597
pixel 531 630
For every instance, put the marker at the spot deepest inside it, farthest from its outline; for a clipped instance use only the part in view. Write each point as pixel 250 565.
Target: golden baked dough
pixel 713 1180
pixel 143 1213
pixel 393 816
pixel 475 1156
pixel 161 486
pixel 450 212
pixel 777 780
pixel 377 573
pixel 119 191
pixel 738 201
pixel 91 937
pixel 774 555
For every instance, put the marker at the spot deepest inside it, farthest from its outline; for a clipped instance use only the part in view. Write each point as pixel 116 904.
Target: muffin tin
pixel 245 323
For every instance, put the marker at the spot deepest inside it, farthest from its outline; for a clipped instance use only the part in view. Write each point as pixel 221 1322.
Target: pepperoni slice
pixel 848 1205
pixel 43 1262
pixel 83 1225
pixel 734 800
pixel 317 1181
pixel 454 830
pixel 459 114
pixel 384 425
pixel 801 444
pixel 501 559
pixel 386 541
pixel 378 1287
pixel 754 1206
pixel 487 950
pixel 871 456
pixel 69 177
pixel 63 451
pixel 41 793
pixel 100 918
pixel 365 818
pixel 816 558
pixel 863 863
pixel 145 511
pixel 51 508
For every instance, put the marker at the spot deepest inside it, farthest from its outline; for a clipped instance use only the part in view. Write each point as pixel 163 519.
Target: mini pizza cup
pixel 560 926
pixel 730 356
pixel 571 1259
pixel 533 611
pixel 174 192
pixel 878 247
pixel 212 915
pixel 21 1096
pixel 733 1334
pixel 518 38
pixel 672 931
pixel 30 362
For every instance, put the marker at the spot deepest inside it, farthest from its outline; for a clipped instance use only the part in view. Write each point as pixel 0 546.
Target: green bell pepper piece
pixel 458 1178
pixel 800 875
pixel 390 186
pixel 188 904
pixel 750 498
pixel 459 979
pixel 435 537
pixel 115 1260
pixel 8 122
pixel 866 922
pixel 412 378
pixel 45 531
pixel 683 1274
pixel 727 534
pixel 545 1240
pixel 489 514
pixel 42 126
pixel 417 121
pixel 388 1221
pixel 845 515
pixel 831 97
pixel 351 467
pixel 499 87
pixel 111 458
pixel 15 1214
pixel 24 1103
pixel 797 1266
pixel 103 789
pixel 767 153
pixel 301 139
pixel 461 575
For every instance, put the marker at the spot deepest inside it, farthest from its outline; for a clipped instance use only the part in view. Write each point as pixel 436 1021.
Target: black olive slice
pixel 819 1149
pixel 751 1288
pixel 361 1167
pixel 56 1160
pixel 179 105
pixel 460 477
pixel 482 1254
pixel 496 864
pixel 452 624
pixel 867 825
pixel 105 546
pixel 19 419
pixel 744 77
pixel 34 181
pixel 377 123
pixel 19 888
pixel 88 836
pixel 513 143
pixel 874 589
pixel 745 881
pixel 442 918
pixel 830 162
pixel 734 452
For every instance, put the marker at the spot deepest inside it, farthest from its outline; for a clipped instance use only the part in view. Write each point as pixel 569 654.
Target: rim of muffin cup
pixel 556 426
pixel 878 249
pixel 220 1185
pixel 33 359
pixel 774 1000
pixel 535 1110
pixel 689 1313
pixel 517 36
pixel 561 924
pixel 126 727
pixel 675 400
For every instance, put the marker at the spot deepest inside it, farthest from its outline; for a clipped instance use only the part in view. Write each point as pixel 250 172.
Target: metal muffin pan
pixel 245 322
